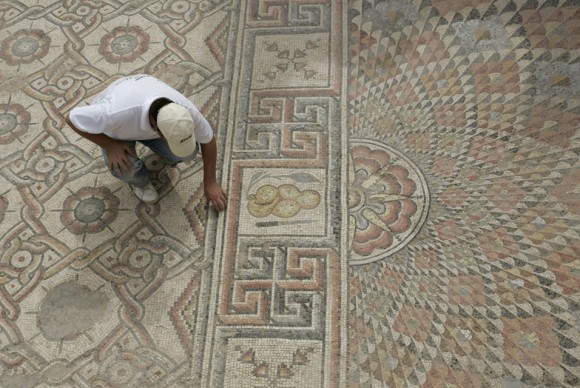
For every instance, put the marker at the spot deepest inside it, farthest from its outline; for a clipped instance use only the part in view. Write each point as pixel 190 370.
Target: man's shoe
pixel 147 193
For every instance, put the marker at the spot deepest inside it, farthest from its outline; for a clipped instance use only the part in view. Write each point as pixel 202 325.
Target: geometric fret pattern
pixel 281 262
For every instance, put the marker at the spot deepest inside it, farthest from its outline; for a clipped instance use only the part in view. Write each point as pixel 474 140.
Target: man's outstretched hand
pixel 215 195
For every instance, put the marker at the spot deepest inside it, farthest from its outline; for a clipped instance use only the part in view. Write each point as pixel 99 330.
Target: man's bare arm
pixel 212 189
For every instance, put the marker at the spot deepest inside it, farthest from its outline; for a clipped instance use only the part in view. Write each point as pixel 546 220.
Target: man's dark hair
pixel 157 105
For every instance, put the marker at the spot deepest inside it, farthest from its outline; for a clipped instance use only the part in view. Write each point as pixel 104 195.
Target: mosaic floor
pixel 404 190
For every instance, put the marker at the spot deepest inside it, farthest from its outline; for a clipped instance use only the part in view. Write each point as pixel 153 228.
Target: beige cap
pixel 176 125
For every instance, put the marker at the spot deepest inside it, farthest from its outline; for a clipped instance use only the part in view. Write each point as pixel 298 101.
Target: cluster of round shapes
pixel 284 201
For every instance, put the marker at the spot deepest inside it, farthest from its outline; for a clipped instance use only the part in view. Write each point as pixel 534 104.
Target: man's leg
pixel 161 147
pixel 137 175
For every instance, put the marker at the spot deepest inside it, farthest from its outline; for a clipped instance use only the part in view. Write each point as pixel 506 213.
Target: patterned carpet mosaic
pixel 404 190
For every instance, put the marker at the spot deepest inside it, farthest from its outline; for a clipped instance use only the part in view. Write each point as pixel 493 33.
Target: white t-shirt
pixel 121 111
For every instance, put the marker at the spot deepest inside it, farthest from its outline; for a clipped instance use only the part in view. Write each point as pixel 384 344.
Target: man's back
pixel 121 111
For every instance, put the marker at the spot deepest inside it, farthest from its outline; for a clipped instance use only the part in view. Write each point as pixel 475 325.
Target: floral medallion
pixel 14 121
pixel 180 9
pixel 89 210
pixel 124 44
pixel 388 201
pixel 25 46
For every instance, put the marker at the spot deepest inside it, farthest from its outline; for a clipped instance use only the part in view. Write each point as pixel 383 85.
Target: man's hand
pixel 116 150
pixel 213 191
pixel 117 153
pixel 215 195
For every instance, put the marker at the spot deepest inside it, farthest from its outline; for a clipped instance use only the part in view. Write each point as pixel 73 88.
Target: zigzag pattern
pixel 482 96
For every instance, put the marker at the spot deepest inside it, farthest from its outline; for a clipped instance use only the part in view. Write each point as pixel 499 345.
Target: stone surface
pixel 69 309
pixel 403 183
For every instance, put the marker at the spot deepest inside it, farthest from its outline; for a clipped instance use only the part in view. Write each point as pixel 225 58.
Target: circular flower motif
pixel 126 369
pixel 45 165
pixel 21 259
pixel 25 46
pixel 181 11
pixel 388 201
pixel 64 83
pixel 122 372
pixel 178 6
pixel 14 121
pixel 140 259
pixel 83 10
pixel 124 44
pixel 81 7
pixel 89 210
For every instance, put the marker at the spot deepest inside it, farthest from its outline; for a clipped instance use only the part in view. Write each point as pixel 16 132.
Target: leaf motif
pixel 308 74
pixel 271 75
pixel 283 54
pixel 311 45
pixel 302 177
pixel 300 66
pixel 299 53
pixel 255 179
pixel 257 176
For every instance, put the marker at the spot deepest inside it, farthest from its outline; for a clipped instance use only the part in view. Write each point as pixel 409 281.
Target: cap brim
pixel 184 149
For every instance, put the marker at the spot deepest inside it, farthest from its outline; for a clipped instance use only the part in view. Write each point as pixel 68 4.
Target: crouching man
pixel 144 109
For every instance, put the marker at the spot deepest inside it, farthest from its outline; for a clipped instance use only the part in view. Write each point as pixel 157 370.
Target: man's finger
pixel 125 164
pixel 113 167
pixel 131 151
pixel 218 205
